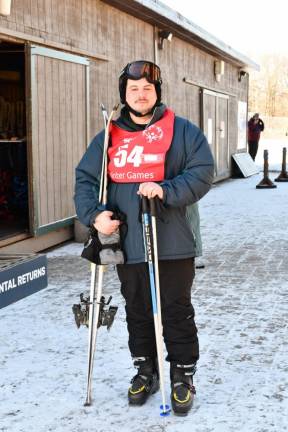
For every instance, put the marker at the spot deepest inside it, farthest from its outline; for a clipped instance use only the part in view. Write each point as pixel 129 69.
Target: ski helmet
pixel 137 70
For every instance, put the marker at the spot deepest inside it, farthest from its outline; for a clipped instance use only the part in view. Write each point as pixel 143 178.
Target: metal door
pixel 223 156
pixel 215 127
pixel 209 120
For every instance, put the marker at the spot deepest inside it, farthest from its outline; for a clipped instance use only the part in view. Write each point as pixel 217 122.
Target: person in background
pixel 255 127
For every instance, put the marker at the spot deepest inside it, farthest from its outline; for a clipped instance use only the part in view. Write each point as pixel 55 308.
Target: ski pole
pixel 101 268
pixel 155 297
pixel 153 214
pixel 105 118
pixel 104 113
pixel 155 254
pixel 106 143
pixel 94 312
pixel 93 322
pixel 103 181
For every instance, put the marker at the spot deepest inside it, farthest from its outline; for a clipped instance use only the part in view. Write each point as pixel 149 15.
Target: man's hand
pixel 150 190
pixel 104 224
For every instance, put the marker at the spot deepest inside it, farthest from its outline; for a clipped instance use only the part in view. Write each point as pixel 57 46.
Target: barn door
pixel 58 133
pixel 215 127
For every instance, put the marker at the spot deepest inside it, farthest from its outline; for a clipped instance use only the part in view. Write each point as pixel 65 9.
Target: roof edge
pixel 184 22
pixel 183 28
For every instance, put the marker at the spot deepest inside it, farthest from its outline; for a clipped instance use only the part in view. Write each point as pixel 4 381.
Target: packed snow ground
pixel 241 302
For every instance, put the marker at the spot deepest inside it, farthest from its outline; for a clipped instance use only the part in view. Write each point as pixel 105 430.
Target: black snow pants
pixel 179 329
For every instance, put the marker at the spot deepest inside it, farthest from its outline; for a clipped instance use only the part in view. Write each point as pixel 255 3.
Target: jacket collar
pixel 125 122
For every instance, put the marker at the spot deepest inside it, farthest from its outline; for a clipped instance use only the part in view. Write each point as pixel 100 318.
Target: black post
pixel 283 176
pixel 266 183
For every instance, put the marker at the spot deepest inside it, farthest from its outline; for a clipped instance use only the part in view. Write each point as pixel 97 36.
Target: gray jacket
pixel 189 169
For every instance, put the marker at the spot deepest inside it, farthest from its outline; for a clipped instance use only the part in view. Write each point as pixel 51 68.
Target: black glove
pixel 106 249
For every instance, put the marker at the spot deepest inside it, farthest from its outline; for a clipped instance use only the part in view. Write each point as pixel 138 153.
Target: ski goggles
pixel 141 69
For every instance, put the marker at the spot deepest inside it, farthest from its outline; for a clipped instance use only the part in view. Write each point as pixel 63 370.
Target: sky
pixel 250 27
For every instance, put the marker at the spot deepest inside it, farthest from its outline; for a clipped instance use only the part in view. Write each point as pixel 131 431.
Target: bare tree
pixel 268 91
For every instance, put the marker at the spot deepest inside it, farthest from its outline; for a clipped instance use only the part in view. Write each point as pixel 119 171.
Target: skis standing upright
pixel 95 302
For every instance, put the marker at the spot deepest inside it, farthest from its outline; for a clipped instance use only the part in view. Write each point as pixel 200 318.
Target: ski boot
pixel 145 382
pixel 182 389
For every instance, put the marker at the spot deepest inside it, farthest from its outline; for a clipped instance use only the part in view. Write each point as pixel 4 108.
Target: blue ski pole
pixel 150 243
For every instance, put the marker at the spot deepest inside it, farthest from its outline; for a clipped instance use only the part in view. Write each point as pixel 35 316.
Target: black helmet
pixel 137 70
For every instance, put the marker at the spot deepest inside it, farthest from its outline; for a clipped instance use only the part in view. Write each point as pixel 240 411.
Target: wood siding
pixel 58 135
pixel 95 26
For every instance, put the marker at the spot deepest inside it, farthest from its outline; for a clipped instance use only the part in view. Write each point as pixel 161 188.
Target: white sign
pixel 246 164
pixel 22 279
pixel 242 125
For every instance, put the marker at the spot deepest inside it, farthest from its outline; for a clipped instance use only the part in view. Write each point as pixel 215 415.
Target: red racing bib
pixel 137 157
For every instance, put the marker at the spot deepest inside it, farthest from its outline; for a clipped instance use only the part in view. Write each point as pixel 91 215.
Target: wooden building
pixel 59 60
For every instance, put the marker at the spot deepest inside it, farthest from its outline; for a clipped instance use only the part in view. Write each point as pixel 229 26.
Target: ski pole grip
pixel 153 206
pixel 145 207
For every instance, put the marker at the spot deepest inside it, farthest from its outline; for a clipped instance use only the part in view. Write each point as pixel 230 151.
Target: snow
pixel 241 312
pixel 274 147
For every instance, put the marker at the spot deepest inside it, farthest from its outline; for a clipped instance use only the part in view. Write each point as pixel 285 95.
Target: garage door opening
pixel 14 214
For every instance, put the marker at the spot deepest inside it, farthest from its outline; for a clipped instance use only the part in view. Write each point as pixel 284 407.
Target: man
pixel 152 153
pixel 255 127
